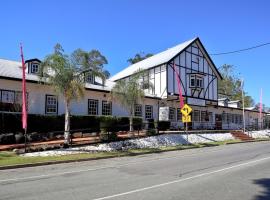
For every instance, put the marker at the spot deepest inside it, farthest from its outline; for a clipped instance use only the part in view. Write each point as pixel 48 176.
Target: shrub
pixel 108 137
pixel 164 125
pixel 151 123
pixel 151 132
pixel 137 123
pixel 19 137
pixel 8 138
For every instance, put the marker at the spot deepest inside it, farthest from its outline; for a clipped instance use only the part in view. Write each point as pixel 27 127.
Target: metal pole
pixel 187 132
pixel 25 141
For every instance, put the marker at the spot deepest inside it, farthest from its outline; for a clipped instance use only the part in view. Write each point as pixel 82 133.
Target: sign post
pixel 186 110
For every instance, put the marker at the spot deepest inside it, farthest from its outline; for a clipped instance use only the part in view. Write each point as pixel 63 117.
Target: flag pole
pixel 24 109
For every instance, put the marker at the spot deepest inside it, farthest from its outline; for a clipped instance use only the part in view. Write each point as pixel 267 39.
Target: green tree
pixel 66 74
pixel 130 92
pixel 139 57
pixel 231 86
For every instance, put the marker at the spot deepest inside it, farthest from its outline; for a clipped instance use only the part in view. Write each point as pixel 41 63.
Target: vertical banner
pixel 179 86
pixel 261 108
pixel 24 100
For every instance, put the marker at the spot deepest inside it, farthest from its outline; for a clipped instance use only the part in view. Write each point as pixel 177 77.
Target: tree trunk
pixel 131 120
pixel 131 123
pixel 67 125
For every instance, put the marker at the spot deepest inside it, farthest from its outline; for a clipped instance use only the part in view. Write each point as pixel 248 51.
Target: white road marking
pixel 201 151
pixel 181 180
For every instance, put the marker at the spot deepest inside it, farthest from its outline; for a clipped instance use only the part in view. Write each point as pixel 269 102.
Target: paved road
pixel 240 171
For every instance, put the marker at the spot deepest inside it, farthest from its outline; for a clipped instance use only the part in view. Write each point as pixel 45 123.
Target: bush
pixel 108 124
pixel 19 137
pixel 108 137
pixel 137 123
pixel 7 138
pixel 151 132
pixel 151 123
pixel 164 125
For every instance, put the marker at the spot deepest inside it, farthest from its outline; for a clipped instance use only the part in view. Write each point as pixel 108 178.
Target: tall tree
pixel 130 92
pixel 66 75
pixel 139 57
pixel 231 86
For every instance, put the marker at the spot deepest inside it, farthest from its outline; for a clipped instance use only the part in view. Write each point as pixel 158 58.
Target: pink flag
pixel 261 106
pixel 179 86
pixel 24 110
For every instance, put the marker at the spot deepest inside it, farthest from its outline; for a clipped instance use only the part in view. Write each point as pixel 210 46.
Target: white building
pixel 199 79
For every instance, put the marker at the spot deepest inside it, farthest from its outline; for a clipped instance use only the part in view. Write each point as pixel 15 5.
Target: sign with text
pixel 164 114
pixel 194 101
pixel 186 118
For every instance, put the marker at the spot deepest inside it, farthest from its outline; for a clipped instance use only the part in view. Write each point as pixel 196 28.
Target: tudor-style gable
pixel 199 76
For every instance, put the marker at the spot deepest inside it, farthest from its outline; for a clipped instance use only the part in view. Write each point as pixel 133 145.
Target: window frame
pixel 47 96
pixel 96 103
pixel 171 113
pixel 105 112
pixel 138 112
pixel 198 81
pixel 148 112
pixel 36 67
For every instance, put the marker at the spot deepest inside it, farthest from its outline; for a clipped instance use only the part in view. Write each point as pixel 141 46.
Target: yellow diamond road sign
pixel 186 118
pixel 186 110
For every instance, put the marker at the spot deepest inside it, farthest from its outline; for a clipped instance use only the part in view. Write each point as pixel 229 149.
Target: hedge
pixel 11 123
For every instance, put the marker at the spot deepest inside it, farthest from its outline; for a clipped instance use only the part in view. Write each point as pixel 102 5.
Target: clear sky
pixel 121 28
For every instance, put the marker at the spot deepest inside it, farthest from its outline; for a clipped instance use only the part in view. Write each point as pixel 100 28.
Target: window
pixel 203 116
pixel 89 78
pixel 106 108
pixel 196 116
pixel 179 114
pixel 7 96
pixel 51 104
pixel 148 112
pixel 196 81
pixel 172 114
pixel 138 110
pixel 92 107
pixel 11 101
pixel 210 116
pixel 34 68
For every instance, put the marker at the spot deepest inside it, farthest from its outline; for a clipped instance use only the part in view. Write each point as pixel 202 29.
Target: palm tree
pixel 130 92
pixel 66 74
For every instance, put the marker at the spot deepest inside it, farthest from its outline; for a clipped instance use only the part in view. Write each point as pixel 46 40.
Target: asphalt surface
pixel 231 172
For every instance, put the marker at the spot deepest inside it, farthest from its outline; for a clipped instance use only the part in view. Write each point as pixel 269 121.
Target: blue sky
pixel 121 28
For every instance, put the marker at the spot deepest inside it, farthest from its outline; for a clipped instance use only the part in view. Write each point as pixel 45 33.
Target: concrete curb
pixel 108 157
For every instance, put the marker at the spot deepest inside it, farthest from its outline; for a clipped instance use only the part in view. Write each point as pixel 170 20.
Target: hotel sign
pixel 196 102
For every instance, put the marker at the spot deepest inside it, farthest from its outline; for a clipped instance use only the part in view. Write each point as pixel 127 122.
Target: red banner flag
pixel 179 86
pixel 24 110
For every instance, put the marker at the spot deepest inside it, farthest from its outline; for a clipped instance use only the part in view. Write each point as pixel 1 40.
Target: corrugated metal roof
pixel 152 61
pixel 13 69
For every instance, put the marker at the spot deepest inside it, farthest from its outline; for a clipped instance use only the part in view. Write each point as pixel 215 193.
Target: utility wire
pixel 240 50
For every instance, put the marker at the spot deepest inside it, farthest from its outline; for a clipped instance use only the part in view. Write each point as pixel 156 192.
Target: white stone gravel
pixel 260 134
pixel 148 142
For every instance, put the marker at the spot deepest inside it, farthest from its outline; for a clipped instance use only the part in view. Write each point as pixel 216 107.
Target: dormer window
pixel 33 65
pixel 196 81
pixel 34 68
pixel 89 78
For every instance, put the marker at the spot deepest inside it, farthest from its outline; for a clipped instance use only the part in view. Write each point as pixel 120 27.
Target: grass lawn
pixel 10 158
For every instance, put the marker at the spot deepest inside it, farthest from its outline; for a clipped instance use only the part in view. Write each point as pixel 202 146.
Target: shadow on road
pixel 265 185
